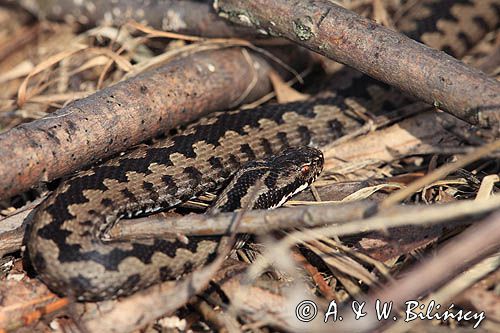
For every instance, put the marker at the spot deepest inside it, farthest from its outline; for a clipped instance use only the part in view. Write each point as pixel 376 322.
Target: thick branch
pixel 346 37
pixel 127 113
pixel 189 17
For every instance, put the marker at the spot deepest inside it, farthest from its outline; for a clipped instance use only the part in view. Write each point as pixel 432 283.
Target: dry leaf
pixel 285 93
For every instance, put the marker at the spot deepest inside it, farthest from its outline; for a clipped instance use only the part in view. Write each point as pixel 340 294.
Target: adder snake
pixel 65 243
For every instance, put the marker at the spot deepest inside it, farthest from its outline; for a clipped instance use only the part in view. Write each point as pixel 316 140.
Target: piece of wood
pixel 348 218
pixel 187 17
pixel 128 113
pixel 388 56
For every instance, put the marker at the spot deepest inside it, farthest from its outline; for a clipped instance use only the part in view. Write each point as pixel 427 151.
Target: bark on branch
pixel 341 217
pixel 127 113
pixel 188 17
pixel 388 56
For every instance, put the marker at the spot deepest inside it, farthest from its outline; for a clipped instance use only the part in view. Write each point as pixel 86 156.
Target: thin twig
pixel 439 173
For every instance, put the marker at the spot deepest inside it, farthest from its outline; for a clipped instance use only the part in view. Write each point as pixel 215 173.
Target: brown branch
pixel 255 221
pixel 263 221
pixel 189 17
pixel 127 113
pixel 454 213
pixel 346 37
pixel 337 217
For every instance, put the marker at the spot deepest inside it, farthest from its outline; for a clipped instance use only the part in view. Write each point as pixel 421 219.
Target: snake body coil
pixel 65 243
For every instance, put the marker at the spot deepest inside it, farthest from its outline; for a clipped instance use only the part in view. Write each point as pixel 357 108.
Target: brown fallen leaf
pixel 285 93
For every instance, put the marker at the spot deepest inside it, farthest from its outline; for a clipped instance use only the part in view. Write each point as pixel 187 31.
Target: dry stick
pixel 475 244
pixel 189 17
pixel 254 222
pixel 346 37
pixel 12 228
pixel 263 221
pixel 346 219
pixel 440 173
pixel 125 114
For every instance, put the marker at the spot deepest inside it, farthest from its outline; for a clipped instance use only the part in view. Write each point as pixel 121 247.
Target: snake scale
pixel 64 241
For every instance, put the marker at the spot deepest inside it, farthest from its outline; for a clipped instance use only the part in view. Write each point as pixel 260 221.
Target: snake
pixel 274 145
pixel 66 246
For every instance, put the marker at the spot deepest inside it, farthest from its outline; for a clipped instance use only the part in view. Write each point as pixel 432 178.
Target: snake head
pixel 268 183
pixel 290 171
pixel 300 165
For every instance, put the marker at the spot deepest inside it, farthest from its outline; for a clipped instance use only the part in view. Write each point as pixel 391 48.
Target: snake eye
pixel 305 169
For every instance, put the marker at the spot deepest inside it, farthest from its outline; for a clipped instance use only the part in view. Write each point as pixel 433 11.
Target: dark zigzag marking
pixel 245 149
pixel 243 185
pixel 440 10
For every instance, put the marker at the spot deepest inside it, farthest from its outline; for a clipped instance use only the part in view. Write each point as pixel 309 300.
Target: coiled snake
pixel 65 238
pixel 65 244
